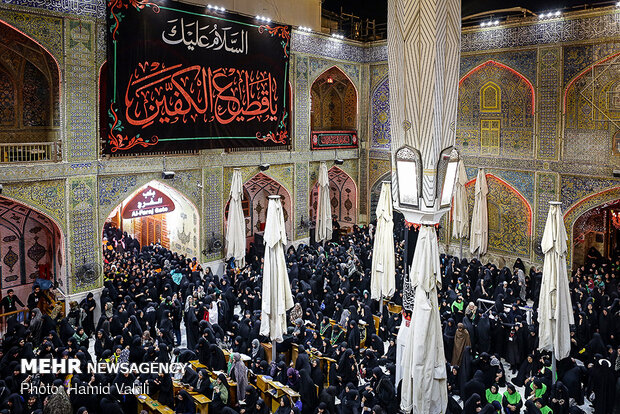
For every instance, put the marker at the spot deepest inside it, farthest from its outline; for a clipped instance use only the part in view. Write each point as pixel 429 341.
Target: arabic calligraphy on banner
pixel 183 79
pixel 148 202
pixel 157 94
pixel 333 139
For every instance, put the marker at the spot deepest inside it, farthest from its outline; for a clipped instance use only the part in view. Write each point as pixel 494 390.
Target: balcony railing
pixel 30 152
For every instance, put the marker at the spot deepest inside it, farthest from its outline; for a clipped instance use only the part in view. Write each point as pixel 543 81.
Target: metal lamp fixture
pixel 447 167
pixel 409 176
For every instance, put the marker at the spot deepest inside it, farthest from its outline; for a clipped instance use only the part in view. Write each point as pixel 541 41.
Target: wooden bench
pixel 202 402
pixel 151 406
pixel 197 365
pixel 394 308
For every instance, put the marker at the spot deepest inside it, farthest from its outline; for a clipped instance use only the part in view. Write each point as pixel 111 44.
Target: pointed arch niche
pixel 496 107
pixel 177 230
pixel 256 192
pixel 31 247
pixel 334 102
pixel 342 196
pixel 509 215
pixel 29 99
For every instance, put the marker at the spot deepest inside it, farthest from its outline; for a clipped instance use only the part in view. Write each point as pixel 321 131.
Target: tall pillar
pixel 423 59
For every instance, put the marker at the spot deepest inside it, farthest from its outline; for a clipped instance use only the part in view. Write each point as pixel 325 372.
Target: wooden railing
pixel 4 317
pixel 30 152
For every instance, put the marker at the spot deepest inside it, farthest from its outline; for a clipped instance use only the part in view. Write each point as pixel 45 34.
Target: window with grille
pixel 489 136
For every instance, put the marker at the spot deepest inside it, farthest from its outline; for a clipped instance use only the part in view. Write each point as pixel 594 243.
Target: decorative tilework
pixel 213 216
pixel 546 191
pixel 380 155
pixel 302 104
pixel 327 47
pixel 575 188
pixel 550 70
pixel 188 182
pixel 378 73
pixel 77 7
pixel 380 116
pixel 510 217
pixel 579 57
pixel 587 146
pixel 377 169
pixel 514 116
pixel 606 25
pixel 81 96
pixel 302 199
pixel 46 30
pixel 84 229
pixel 46 196
pixel 318 66
pixel 113 189
pixel 523 61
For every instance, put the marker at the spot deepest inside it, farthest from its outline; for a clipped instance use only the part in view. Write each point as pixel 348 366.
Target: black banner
pixel 185 77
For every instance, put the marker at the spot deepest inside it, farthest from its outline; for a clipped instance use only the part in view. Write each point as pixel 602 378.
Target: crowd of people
pixel 159 306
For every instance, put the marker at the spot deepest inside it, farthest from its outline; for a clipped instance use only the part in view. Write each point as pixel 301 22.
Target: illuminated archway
pixel 334 100
pixel 31 247
pixel 30 109
pixel 173 221
pixel 342 196
pixel 581 209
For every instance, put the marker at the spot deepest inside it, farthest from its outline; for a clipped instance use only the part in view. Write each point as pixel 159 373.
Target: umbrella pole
pixel 553 367
pixel 406 250
pixel 461 249
pixel 274 354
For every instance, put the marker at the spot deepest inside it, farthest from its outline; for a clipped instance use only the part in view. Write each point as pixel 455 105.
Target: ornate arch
pixel 510 216
pixel 188 236
pixel 506 67
pixel 258 187
pixel 343 194
pixel 588 203
pixel 587 70
pixel 345 89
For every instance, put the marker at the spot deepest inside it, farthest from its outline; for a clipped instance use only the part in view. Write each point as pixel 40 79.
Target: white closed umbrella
pixel 479 237
pixel 235 224
pixel 460 210
pixel 324 209
pixel 382 284
pixel 555 310
pixel 424 388
pixel 277 298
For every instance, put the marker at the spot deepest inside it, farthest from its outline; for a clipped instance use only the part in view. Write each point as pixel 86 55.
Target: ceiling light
pixel 483 24
pixel 496 22
pixel 558 13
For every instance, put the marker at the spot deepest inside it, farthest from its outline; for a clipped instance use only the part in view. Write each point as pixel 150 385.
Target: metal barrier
pixel 22 315
pixel 30 152
pixel 486 305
